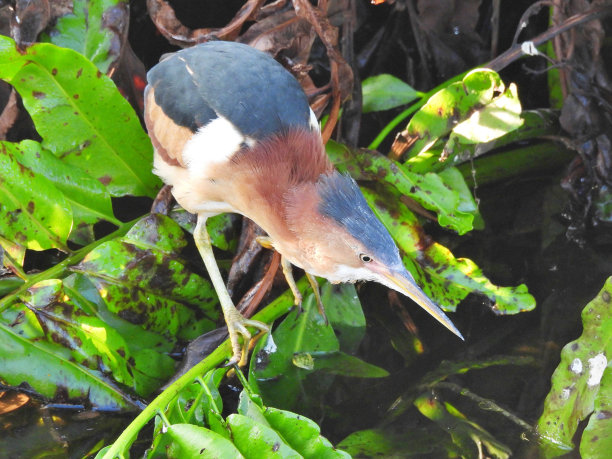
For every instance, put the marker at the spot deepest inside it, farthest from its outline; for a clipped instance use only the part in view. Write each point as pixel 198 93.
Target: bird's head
pixel 338 237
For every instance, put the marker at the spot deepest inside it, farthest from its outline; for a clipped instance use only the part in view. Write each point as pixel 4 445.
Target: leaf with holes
pixel 465 101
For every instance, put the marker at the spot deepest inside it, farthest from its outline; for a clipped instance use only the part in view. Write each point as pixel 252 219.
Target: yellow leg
pixel 266 242
pixel 236 322
pixel 288 272
pixel 317 293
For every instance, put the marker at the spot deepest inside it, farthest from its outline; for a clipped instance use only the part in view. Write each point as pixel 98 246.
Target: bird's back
pixel 245 86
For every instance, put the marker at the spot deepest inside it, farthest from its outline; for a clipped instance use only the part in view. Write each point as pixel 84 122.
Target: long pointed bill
pixel 403 282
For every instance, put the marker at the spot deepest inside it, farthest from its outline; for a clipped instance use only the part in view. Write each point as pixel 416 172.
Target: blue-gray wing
pixel 254 92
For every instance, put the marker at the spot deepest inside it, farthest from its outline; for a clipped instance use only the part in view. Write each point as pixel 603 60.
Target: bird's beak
pixel 402 281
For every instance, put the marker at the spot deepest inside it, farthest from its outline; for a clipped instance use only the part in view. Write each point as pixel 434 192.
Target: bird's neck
pixel 282 173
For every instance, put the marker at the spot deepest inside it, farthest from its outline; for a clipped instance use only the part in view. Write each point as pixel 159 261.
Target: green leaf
pixel 84 294
pixel 302 434
pixel 256 440
pixel 273 368
pixel 387 443
pixel 346 315
pixel 456 209
pixel 89 199
pixel 33 212
pixel 8 284
pixel 47 367
pixel 596 440
pixel 339 363
pixel 445 279
pixel 90 341
pixel 496 119
pixel 87 31
pixel 81 116
pixel 151 287
pixel 382 92
pixel 460 101
pixel 190 441
pixel 578 382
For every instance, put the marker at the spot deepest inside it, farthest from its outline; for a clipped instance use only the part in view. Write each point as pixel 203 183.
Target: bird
pixel 232 131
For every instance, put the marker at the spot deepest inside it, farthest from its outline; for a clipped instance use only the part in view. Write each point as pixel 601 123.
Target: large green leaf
pixel 446 279
pixel 33 212
pixel 89 31
pixel 81 116
pixel 581 386
pixel 256 440
pixel 189 441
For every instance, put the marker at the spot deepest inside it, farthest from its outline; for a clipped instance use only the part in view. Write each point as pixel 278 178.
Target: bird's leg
pixel 317 293
pixel 236 322
pixel 288 272
pixel 266 242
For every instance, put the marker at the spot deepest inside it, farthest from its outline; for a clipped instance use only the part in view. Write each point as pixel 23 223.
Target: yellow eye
pixel 365 258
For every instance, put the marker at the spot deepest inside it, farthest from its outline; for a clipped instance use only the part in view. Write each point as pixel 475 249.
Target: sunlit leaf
pixel 47 367
pixel 89 199
pixel 302 434
pixel 458 102
pixel 190 441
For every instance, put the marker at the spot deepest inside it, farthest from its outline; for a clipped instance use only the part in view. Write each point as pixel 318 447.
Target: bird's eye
pixel 365 258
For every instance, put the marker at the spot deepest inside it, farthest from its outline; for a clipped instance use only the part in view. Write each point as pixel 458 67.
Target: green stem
pixel 57 270
pixel 274 310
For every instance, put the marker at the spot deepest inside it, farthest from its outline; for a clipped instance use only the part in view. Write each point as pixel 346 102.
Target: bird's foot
pixel 317 293
pixel 237 327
